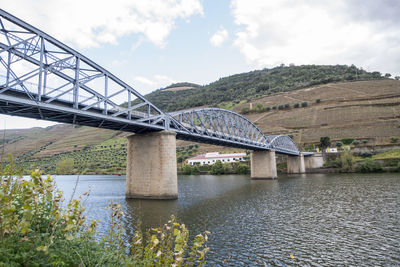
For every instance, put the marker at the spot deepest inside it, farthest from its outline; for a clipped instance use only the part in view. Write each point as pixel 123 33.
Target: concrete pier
pixel 296 164
pixel 263 165
pixel 313 162
pixel 151 166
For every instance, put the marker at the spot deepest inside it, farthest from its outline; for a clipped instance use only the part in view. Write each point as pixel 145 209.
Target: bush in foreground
pixel 35 230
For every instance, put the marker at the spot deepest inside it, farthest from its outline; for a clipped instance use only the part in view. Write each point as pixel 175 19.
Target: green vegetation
pixel 356 142
pixel 390 154
pixel 109 157
pixel 347 141
pixel 255 84
pixel 369 165
pixel 182 84
pixel 35 230
pixel 65 166
pixel 217 168
pixel 190 169
pixel 346 161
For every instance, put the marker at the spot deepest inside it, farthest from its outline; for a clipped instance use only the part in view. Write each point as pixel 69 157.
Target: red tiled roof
pixel 218 157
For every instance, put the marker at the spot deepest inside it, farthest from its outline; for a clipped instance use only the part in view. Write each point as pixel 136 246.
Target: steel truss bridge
pixel 42 78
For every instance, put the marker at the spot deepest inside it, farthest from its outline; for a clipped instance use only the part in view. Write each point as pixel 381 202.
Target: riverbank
pixel 388 161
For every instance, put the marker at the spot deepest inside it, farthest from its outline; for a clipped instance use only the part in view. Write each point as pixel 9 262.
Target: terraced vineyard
pixel 368 110
pixel 109 157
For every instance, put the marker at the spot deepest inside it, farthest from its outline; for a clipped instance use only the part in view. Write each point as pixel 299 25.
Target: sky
pixel 151 44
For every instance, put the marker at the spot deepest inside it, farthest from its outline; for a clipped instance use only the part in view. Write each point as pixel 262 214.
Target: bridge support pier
pixel 151 166
pixel 263 165
pixel 315 161
pixel 296 164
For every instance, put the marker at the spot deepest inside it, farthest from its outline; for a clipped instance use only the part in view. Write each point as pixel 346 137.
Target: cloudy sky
pixel 151 44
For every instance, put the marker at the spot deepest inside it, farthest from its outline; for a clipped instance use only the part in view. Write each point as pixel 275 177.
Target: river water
pixel 321 219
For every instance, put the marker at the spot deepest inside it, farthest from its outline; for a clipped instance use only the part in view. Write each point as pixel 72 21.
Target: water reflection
pixel 345 219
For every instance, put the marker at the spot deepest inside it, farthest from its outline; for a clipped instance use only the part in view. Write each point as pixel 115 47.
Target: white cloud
pixel 219 37
pixel 90 23
pixel 319 32
pixel 152 83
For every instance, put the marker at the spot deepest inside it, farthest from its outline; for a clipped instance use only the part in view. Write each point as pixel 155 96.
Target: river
pixel 321 219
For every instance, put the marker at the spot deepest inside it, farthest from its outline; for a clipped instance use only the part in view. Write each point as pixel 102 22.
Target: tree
pixel 324 142
pixel 65 166
pixel 217 168
pixel 388 75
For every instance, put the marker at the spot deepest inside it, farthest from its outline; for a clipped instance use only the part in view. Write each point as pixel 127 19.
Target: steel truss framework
pixel 43 78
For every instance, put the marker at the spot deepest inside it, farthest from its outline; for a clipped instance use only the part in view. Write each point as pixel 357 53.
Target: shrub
pixel 274 107
pixel 317 100
pixel 356 142
pixel 217 168
pixel 280 107
pixel 243 169
pixel 296 105
pixel 366 154
pixel 346 161
pixel 347 141
pixel 369 165
pixel 35 230
pixel 227 168
pixel 398 167
pixel 364 141
pixel 267 109
pixel 287 106
pixel 304 104
pixel 394 140
pixel 245 110
pixel 259 108
pixel 339 144
pixel 190 170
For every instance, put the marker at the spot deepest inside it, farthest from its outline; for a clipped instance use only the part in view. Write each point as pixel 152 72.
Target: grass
pixel 390 154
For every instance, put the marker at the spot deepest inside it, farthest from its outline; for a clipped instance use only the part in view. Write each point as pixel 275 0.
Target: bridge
pixel 42 78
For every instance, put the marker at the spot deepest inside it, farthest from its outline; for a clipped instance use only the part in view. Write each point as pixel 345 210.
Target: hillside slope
pixel 364 110
pixel 254 84
pixel 368 111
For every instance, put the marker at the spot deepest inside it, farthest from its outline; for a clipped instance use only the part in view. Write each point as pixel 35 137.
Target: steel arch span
pixel 42 78
pixel 220 126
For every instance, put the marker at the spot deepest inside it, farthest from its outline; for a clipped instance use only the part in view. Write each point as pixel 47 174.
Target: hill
pixel 254 84
pixel 367 111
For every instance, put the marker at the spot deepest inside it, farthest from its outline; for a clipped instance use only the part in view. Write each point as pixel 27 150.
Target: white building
pixel 211 158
